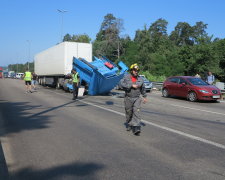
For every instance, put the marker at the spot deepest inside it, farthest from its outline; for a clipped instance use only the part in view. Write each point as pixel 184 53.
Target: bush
pixel 152 77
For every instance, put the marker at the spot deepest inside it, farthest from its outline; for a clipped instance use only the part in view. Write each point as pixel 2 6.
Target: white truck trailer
pixel 53 64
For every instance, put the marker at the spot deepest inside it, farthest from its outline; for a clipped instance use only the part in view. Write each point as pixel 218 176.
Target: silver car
pixel 148 84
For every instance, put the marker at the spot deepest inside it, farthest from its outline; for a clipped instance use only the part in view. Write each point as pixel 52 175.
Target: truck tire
pixel 58 86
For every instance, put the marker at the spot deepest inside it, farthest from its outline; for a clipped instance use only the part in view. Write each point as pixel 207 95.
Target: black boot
pixel 136 130
pixel 129 127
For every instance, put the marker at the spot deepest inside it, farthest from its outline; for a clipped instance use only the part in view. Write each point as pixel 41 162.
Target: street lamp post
pixel 62 12
pixel 28 65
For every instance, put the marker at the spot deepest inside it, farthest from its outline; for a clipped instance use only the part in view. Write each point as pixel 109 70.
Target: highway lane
pixel 45 135
pixel 204 119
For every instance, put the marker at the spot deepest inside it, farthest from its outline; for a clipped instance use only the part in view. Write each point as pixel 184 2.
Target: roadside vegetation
pixel 188 49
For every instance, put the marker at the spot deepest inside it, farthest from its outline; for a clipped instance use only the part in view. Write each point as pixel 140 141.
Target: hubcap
pixel 192 97
pixel 165 93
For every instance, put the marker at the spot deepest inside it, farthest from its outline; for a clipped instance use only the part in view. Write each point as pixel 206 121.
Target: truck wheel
pixel 40 81
pixel 58 85
pixel 192 96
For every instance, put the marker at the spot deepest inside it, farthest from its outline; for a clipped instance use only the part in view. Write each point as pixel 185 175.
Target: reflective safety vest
pixel 75 77
pixel 27 76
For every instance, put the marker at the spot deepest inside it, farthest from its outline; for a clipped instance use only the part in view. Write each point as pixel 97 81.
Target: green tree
pixel 145 48
pixel 185 54
pixel 182 35
pixel 158 34
pixel 219 49
pixel 108 30
pixel 77 38
pixel 154 49
pixel 130 52
pixel 67 37
pixel 206 59
pixel 199 33
pixel 18 68
pixel 107 41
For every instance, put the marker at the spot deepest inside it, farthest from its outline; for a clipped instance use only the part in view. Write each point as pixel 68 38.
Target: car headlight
pixel 203 91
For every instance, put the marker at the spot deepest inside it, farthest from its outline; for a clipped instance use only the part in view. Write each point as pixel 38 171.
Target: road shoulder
pixel 3 167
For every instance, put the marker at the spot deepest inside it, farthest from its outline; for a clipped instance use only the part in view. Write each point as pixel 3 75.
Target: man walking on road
pixel 75 77
pixel 135 93
pixel 27 79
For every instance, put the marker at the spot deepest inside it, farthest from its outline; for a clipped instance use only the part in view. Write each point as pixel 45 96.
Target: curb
pixel 4 174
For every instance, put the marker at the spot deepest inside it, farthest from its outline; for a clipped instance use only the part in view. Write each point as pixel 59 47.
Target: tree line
pixel 18 68
pixel 187 50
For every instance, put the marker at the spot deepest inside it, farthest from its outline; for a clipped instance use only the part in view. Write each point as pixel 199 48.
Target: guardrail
pixel 157 85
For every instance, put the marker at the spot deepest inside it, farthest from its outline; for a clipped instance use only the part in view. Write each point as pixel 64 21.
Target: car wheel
pixel 165 92
pixel 192 96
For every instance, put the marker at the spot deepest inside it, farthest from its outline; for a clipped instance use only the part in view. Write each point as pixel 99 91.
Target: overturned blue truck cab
pixel 99 76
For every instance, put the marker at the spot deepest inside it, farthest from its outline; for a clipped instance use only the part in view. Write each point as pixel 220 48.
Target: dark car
pixel 190 87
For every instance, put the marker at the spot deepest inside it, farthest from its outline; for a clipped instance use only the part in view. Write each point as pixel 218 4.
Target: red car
pixel 190 87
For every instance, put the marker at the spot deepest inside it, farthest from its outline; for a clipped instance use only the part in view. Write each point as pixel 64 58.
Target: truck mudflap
pixel 101 75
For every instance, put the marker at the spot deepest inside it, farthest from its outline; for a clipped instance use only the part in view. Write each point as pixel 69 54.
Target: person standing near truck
pixel 27 79
pixel 34 80
pixel 135 94
pixel 76 79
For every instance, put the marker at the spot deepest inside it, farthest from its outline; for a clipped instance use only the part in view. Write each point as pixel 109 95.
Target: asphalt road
pixel 47 136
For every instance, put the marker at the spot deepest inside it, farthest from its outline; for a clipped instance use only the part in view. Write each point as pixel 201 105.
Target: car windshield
pixel 197 81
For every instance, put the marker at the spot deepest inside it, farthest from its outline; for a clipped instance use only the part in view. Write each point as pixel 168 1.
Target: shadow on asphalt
pixel 71 171
pixel 198 101
pixel 14 119
pixel 3 167
pixel 109 102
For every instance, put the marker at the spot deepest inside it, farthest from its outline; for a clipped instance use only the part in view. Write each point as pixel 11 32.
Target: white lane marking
pixel 164 128
pixel 187 135
pixel 161 127
pixel 198 109
pixel 122 114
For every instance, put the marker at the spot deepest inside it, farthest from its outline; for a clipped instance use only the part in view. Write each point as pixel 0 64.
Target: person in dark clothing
pixel 34 80
pixel 76 79
pixel 135 94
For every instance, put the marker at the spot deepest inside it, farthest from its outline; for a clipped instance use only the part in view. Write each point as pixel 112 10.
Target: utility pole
pixel 61 12
pixel 28 65
pixel 118 48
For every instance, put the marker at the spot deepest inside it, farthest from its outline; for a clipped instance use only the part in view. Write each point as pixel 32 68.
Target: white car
pixel 19 75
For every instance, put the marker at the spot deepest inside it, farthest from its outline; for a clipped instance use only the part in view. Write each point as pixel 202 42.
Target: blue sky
pixel 31 26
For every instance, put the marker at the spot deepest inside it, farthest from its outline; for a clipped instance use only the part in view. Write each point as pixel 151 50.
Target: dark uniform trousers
pixel 132 109
pixel 75 90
